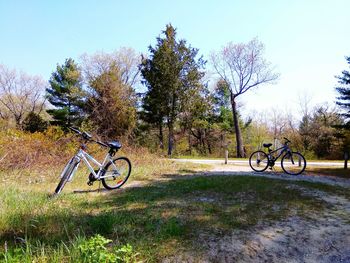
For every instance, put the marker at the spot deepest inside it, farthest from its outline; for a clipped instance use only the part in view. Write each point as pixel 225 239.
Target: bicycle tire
pixel 119 182
pixel 65 177
pixel 291 166
pixel 258 158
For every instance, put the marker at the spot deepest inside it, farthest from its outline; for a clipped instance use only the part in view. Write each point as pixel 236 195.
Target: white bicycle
pixel 113 172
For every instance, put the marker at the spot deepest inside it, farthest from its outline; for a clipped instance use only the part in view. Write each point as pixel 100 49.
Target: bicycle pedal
pixel 90 183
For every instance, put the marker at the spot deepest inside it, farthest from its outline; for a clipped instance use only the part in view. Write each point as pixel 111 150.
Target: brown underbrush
pixel 52 149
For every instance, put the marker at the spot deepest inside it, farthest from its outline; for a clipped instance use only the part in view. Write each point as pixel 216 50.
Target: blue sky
pixel 306 40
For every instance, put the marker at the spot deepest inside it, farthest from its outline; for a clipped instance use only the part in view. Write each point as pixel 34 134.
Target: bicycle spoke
pixel 293 163
pixel 258 161
pixel 117 173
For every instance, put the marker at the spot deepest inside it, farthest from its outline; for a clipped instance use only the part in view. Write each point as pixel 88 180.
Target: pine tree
pixel 34 123
pixel 171 74
pixel 344 92
pixel 66 95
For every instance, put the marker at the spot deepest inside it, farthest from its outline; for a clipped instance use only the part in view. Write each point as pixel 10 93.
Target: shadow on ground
pixel 171 210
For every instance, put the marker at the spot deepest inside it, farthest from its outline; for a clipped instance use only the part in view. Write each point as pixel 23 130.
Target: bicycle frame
pixel 83 155
pixel 284 148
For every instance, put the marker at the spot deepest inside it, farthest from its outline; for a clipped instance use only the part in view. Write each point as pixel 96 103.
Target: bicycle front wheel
pixel 66 174
pixel 293 163
pixel 116 173
pixel 258 161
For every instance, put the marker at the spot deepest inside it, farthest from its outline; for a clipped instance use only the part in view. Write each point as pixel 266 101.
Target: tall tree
pixel 243 67
pixel 197 118
pixel 111 99
pixel 20 94
pixel 111 104
pixel 66 94
pixel 344 94
pixel 325 138
pixel 154 111
pixel 171 74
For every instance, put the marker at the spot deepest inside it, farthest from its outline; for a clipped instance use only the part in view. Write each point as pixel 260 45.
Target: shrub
pixel 94 250
pixel 34 123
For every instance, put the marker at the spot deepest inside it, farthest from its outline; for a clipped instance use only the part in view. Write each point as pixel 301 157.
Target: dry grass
pixel 39 151
pixel 20 150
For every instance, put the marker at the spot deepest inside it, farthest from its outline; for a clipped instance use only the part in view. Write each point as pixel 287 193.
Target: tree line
pixel 177 111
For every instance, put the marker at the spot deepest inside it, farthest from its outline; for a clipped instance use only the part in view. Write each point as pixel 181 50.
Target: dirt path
pixel 246 170
pixel 322 236
pixel 315 237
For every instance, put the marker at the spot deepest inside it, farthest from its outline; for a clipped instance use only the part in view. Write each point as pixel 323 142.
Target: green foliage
pixel 171 75
pixel 319 133
pixel 34 123
pixel 66 94
pixel 94 250
pixel 344 94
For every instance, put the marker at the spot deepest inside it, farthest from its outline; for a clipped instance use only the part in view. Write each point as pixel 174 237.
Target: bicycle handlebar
pixel 287 141
pixel 75 130
pixel 87 136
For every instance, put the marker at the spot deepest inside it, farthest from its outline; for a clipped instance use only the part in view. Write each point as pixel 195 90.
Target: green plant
pixel 95 250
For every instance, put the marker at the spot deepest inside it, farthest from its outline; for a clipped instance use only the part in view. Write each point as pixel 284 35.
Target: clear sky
pixel 307 40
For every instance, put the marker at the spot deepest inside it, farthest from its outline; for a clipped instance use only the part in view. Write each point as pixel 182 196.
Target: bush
pixel 94 250
pixel 19 149
pixel 34 123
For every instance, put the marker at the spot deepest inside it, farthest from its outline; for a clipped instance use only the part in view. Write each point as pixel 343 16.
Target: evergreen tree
pixel 171 74
pixel 344 92
pixel 222 106
pixel 66 95
pixel 34 123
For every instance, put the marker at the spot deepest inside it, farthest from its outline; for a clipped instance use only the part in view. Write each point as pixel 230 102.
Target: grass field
pixel 164 214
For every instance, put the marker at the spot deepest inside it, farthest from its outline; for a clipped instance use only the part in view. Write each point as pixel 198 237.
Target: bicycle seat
pixel 115 145
pixel 267 145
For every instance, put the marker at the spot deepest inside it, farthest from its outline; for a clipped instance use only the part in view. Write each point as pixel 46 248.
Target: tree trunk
pixel 171 138
pixel 161 136
pixel 18 122
pixel 209 146
pixel 189 142
pixel 239 139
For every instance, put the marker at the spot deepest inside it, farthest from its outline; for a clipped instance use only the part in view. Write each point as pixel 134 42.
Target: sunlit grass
pixel 158 220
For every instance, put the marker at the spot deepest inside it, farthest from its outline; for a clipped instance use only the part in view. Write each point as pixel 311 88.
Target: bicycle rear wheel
pixel 258 161
pixel 293 163
pixel 116 173
pixel 67 172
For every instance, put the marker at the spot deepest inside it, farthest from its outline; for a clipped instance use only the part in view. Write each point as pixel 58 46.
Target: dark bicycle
pixel 292 163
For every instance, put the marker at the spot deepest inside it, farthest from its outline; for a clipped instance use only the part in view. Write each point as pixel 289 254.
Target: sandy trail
pixel 322 236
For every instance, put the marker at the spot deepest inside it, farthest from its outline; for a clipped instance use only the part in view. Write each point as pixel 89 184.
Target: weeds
pixel 87 250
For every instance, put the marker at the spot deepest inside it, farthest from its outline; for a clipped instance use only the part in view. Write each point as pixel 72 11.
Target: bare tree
pixel 20 94
pixel 126 60
pixel 242 67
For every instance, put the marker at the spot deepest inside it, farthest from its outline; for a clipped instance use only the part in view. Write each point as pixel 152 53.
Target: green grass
pixel 158 220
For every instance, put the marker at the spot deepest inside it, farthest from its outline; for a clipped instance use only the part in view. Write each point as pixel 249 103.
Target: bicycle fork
pixel 76 162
